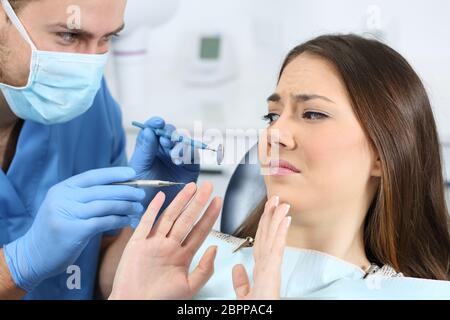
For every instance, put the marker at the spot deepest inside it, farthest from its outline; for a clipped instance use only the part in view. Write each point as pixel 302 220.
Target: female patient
pixel 353 158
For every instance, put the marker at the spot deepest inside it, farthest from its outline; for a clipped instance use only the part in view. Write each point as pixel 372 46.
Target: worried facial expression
pixel 314 149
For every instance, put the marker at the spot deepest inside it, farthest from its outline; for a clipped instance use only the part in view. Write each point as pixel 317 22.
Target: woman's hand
pixel 156 260
pixel 268 253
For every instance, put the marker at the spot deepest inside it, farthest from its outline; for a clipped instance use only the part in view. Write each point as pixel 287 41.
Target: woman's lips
pixel 282 168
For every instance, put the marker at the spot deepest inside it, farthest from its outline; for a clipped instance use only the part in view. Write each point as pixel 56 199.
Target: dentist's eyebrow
pixel 307 97
pixel 84 33
pixel 118 30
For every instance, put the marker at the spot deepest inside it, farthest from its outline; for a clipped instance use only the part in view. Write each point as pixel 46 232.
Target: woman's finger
pixel 145 226
pixel 203 227
pixel 204 270
pixel 187 219
pixel 264 223
pixel 170 215
pixel 241 283
pixel 278 216
pixel 280 242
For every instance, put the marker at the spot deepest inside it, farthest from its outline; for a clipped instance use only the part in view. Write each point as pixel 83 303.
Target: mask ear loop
pixel 19 26
pixel 17 23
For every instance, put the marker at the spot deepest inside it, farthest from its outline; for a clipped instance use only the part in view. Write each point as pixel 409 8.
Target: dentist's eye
pixel 109 38
pixel 67 37
pixel 271 117
pixel 311 115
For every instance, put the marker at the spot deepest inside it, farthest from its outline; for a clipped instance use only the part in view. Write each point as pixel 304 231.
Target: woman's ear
pixel 376 169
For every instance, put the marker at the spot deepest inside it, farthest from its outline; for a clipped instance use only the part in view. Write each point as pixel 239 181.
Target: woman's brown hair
pixel 407 225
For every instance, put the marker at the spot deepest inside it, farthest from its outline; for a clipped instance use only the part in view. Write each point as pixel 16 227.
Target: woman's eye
pixel 68 37
pixel 271 117
pixel 311 115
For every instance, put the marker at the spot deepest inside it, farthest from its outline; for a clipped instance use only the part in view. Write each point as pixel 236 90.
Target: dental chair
pixel 245 191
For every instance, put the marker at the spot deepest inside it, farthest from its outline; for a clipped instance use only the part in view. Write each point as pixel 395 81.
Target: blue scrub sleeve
pixel 119 155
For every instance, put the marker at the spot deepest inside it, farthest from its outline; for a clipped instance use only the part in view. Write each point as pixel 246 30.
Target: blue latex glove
pixel 158 158
pixel 72 213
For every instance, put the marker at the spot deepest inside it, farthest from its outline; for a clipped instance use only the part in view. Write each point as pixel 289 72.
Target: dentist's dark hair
pixel 19 4
pixel 407 225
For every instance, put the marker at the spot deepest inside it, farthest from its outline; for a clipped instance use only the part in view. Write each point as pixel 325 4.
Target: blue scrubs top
pixel 47 155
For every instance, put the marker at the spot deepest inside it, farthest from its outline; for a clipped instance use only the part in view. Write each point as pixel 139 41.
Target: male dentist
pixel 62 145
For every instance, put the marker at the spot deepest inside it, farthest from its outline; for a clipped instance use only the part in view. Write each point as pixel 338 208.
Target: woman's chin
pixel 299 197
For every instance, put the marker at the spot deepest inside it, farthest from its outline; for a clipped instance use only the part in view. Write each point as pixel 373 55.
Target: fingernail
pixel 288 207
pixel 190 185
pixel 214 251
pixel 289 220
pixel 160 194
pixel 276 201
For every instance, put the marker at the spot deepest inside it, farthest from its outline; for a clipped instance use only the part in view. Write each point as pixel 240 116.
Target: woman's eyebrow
pixel 274 98
pixel 299 97
pixel 307 97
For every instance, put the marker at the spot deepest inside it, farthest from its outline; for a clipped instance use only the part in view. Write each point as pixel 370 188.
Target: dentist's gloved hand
pixel 158 158
pixel 73 212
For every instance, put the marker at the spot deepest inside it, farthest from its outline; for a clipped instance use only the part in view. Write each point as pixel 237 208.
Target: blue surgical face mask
pixel 61 86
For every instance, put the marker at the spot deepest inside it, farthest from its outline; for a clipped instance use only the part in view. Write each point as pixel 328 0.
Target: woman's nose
pixel 281 136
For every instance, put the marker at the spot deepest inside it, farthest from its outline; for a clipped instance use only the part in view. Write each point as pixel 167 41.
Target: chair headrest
pixel 245 191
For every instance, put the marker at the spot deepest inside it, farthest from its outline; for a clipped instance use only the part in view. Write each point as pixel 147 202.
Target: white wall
pixel 262 32
pixel 417 29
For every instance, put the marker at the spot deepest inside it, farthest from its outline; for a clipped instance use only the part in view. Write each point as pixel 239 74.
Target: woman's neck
pixel 342 237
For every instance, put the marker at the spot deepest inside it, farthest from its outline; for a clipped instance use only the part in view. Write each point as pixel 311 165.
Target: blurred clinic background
pixel 214 62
